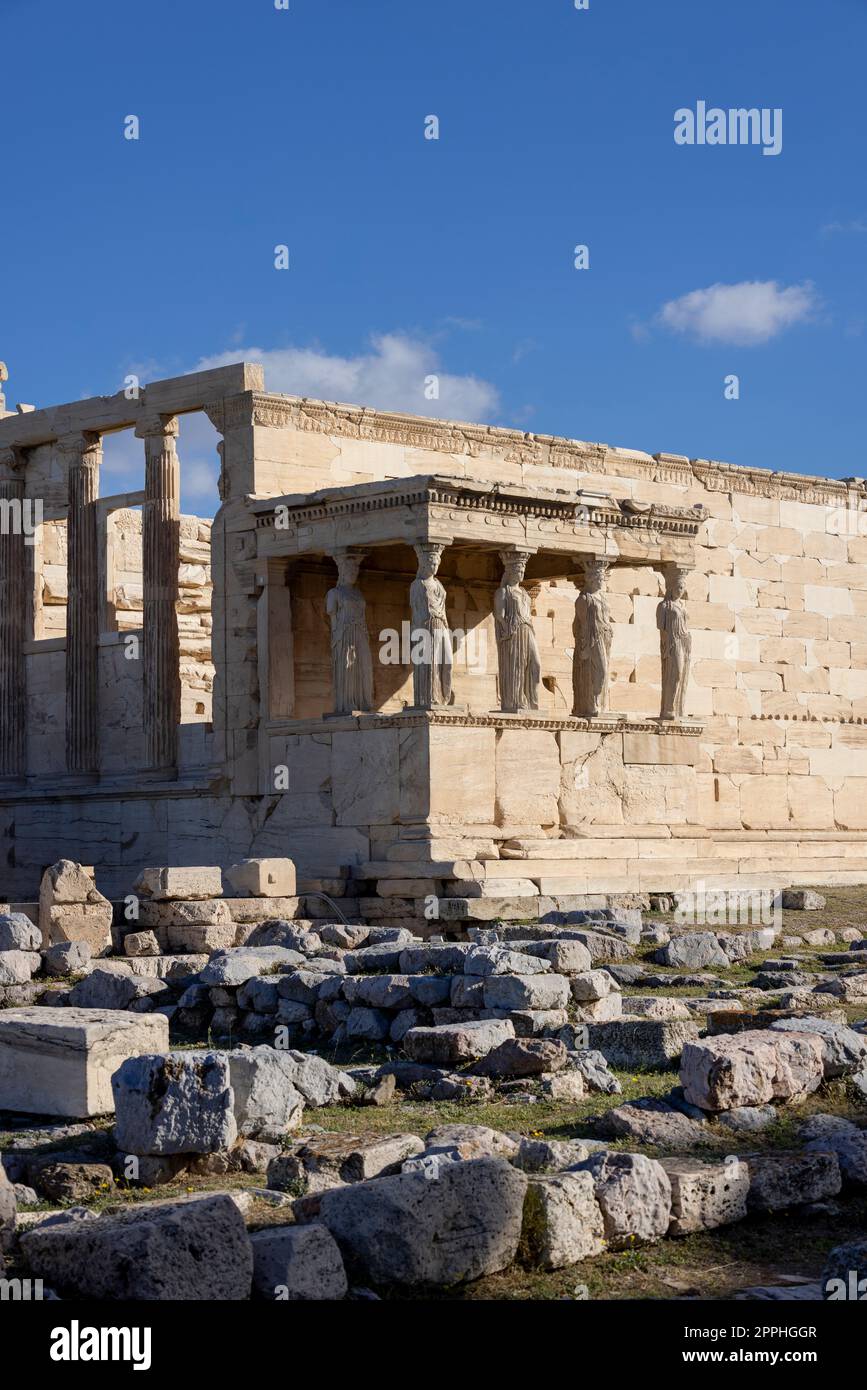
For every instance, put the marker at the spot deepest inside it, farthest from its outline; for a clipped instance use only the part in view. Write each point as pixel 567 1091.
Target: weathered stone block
pixel 263 878
pixel 297 1262
pixel 409 1230
pixel 196 1249
pixel 706 1195
pixel 562 1221
pixel 204 881
pixel 750 1068
pixel 176 1103
pixel 451 1043
pixel 61 1061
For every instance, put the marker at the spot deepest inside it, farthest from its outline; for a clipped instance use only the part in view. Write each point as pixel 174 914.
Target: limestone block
pixel 263 878
pixel 528 777
pixel 297 1262
pixel 60 1061
pixel 706 1195
pixel 164 883
pixel 410 1230
pixel 193 937
pixel 174 1103
pixel 364 776
pixel 18 967
pixel 562 1221
pixel 86 922
pixel 451 1043
pixel 197 1249
pixel 634 1193
pixel 526 992
pixel 751 1068
pixel 779 1180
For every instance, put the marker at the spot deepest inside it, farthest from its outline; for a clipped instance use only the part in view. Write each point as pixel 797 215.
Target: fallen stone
pixel 706 1195
pixel 650 1121
pixel 499 960
pixel 595 1071
pixel 785 1179
pixel 75 1182
pixel 176 1251
pixel 641 1044
pixel 297 1262
pixel 526 992
pixel 453 1043
pixel 652 1006
pixel 692 951
pixel 844 1050
pixel 467 1142
pixel 60 1061
pixel 162 884
pixel 562 1221
pixel 751 1068
pixel 746 1119
pixel 549 1155
pixel 67 958
pixel 179 1102
pixel 523 1057
pixel 235 967
pixel 847 1141
pixel 18 933
pixel 409 1230
pixel 18 967
pixel 802 900
pixel 263 878
pixel 266 1101
pixel 634 1193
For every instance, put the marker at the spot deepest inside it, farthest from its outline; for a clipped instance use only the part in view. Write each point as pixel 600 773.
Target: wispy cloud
pixel 857 225
pixel 394 374
pixel 745 314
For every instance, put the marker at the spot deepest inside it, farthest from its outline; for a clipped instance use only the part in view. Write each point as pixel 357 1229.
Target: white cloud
pixel 391 376
pixel 753 311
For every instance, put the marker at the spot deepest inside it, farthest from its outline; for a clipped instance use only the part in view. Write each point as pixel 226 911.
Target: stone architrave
pixel 83 605
pixel 160 560
pixel 593 637
pixel 432 655
pixel 520 668
pixel 351 662
pixel 675 644
pixel 13 607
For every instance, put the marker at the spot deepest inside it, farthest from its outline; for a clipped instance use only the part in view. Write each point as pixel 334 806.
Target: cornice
pixel 518 447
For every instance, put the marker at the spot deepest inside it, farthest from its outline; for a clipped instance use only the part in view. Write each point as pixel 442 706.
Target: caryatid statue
pixel 431 645
pixel 593 636
pixel 351 663
pixel 517 653
pixel 675 644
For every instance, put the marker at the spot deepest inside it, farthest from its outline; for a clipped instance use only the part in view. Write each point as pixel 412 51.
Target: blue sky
pixel 408 256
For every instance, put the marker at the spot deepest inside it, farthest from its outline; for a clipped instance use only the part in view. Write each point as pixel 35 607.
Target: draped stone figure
pixel 518 655
pixel 675 644
pixel 351 664
pixel 431 647
pixel 593 635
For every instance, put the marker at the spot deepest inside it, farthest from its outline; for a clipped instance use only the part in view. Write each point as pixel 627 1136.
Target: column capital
pixel 79 442
pixel 157 427
pixel 12 463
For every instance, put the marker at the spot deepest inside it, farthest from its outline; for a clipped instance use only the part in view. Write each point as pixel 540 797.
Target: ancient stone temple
pixel 428 661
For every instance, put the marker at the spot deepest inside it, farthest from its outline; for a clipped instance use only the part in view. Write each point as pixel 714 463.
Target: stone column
pixel 13 617
pixel 593 636
pixel 161 538
pixel 675 643
pixel 519 665
pixel 351 661
pixel 83 606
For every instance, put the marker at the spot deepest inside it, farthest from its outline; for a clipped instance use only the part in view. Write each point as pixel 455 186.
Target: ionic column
pixel 161 532
pixel 593 636
pixel 83 607
pixel 13 610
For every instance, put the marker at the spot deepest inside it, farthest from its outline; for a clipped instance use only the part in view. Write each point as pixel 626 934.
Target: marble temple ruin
pixel 425 660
